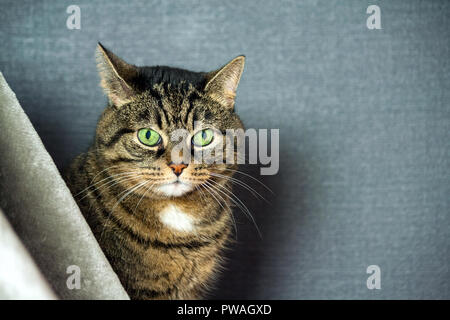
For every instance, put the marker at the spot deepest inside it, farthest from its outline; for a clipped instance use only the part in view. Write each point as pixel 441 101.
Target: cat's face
pixel 144 136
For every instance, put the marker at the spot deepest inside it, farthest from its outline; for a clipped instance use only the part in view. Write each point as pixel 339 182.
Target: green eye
pixel 203 138
pixel 149 137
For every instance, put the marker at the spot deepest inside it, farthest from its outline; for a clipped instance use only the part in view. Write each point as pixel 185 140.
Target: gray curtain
pixel 42 211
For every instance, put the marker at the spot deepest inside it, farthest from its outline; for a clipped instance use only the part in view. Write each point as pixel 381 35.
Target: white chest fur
pixel 172 217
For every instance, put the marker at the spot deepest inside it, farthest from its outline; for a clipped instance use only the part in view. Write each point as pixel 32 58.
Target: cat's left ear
pixel 222 84
pixel 116 76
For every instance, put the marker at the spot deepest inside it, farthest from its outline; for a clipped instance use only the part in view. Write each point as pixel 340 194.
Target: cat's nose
pixel 177 168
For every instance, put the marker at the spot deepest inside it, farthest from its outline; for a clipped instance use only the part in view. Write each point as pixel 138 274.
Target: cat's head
pixel 148 105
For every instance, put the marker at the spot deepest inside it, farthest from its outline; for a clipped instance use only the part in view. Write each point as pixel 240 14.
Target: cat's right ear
pixel 116 76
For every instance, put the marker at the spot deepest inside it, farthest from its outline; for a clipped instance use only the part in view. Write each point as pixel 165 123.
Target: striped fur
pixel 116 185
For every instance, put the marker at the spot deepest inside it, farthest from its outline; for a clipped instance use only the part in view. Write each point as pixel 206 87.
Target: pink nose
pixel 177 168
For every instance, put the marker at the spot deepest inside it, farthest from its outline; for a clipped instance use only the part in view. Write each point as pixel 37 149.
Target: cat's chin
pixel 175 189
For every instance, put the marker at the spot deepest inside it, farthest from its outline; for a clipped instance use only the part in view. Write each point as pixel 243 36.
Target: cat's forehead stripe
pixel 173 107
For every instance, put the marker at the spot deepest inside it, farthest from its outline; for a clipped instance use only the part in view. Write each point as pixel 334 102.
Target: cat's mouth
pixel 175 188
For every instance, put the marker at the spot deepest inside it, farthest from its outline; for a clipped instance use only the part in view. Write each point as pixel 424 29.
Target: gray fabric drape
pixel 45 216
pixel 19 276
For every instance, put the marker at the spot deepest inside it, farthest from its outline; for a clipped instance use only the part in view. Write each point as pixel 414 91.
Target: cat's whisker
pixel 231 197
pixel 230 212
pixel 127 192
pixel 143 195
pixel 109 185
pixel 241 183
pixel 235 199
pixel 112 177
pixel 116 182
pixel 93 179
pixel 203 198
pixel 251 177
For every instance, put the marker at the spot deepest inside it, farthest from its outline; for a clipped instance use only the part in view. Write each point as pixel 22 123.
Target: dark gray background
pixel 364 123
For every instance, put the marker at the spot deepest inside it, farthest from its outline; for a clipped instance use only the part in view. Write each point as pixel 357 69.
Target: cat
pixel 162 224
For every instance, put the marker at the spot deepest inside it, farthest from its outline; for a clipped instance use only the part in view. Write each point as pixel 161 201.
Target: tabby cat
pixel 162 224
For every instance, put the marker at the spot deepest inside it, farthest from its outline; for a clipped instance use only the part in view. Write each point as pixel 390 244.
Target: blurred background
pixel 364 119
